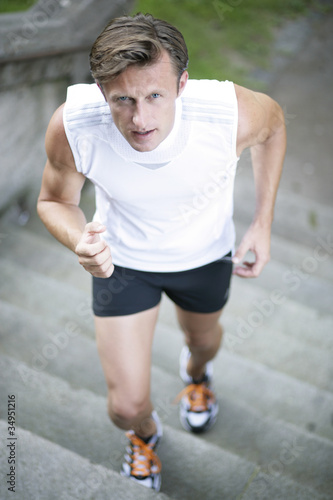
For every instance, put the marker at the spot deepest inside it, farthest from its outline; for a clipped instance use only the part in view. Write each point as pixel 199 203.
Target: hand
pixel 256 240
pixel 93 252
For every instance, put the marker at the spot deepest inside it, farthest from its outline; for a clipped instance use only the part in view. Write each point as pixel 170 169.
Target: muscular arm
pixel 261 128
pixel 58 203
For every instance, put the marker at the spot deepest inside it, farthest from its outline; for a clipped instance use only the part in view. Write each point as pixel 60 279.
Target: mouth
pixel 143 135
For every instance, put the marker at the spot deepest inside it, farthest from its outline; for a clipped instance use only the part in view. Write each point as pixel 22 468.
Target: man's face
pixel 142 102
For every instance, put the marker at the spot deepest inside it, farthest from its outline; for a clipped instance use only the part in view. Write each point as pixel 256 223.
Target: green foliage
pixel 227 39
pixel 15 5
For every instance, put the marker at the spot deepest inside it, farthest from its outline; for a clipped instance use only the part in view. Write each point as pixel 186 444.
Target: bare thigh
pixel 124 344
pixel 200 328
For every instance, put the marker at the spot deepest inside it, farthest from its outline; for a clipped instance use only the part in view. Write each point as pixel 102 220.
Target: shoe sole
pixel 157 482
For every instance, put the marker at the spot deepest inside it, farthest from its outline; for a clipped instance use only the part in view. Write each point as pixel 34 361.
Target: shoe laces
pixel 199 397
pixel 144 460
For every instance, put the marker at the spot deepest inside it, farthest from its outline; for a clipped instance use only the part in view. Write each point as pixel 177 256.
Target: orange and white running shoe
pixel 198 405
pixel 141 462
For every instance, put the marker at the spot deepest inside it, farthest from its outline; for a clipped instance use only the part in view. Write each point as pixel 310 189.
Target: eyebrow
pixel 116 95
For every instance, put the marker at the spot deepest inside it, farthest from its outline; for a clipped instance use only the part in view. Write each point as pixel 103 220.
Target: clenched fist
pixel 93 252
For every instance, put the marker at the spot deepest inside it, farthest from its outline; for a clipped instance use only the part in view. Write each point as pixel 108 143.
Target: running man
pixel 162 151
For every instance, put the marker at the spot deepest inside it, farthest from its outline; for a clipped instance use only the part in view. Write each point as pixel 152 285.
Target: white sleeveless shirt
pixel 169 209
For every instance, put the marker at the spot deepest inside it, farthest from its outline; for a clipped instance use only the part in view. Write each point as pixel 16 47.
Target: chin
pixel 144 148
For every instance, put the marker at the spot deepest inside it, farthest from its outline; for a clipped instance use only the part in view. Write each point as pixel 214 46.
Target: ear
pixel 182 82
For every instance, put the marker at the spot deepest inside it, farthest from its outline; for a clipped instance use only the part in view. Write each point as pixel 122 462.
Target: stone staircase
pixel 273 377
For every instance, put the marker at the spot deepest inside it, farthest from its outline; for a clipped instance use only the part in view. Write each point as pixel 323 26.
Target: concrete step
pixel 269 442
pixel 298 272
pixel 291 338
pixel 265 390
pixel 49 346
pixel 282 299
pixel 255 343
pixel 282 353
pixel 303 279
pixel 301 286
pixel 76 420
pixel 297 218
pixel 258 307
pixel 246 426
pixel 61 351
pixel 42 251
pixel 290 246
pixel 276 340
pixel 47 471
pixel 44 255
pixel 252 302
pixel 46 297
pixel 275 412
pixel 282 335
pixel 313 260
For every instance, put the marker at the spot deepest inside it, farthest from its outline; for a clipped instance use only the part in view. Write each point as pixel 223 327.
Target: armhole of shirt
pixel 235 125
pixel 70 139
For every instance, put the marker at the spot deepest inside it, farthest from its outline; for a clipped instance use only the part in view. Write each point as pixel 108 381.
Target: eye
pixel 122 98
pixel 155 95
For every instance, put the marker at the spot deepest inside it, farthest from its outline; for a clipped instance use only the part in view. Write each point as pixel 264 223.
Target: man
pixel 162 152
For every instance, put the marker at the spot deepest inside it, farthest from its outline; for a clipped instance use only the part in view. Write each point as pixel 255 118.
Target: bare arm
pixel 58 203
pixel 261 128
pixel 61 187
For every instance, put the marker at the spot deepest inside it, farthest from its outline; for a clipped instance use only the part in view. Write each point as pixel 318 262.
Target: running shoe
pixel 141 463
pixel 198 406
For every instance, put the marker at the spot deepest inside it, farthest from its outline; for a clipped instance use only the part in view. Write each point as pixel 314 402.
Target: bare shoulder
pixel 58 150
pixel 61 181
pixel 258 117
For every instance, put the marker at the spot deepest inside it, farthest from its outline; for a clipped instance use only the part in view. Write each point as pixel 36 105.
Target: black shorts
pixel 204 289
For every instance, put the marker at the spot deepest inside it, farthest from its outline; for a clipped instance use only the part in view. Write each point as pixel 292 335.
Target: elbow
pixel 280 123
pixel 282 131
pixel 278 132
pixel 40 207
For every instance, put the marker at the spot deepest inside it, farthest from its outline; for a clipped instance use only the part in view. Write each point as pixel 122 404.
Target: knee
pixel 126 411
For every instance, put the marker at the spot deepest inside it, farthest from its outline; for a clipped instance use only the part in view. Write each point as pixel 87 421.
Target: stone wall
pixel 42 51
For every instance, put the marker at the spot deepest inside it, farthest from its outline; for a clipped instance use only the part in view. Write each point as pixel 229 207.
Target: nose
pixel 140 116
